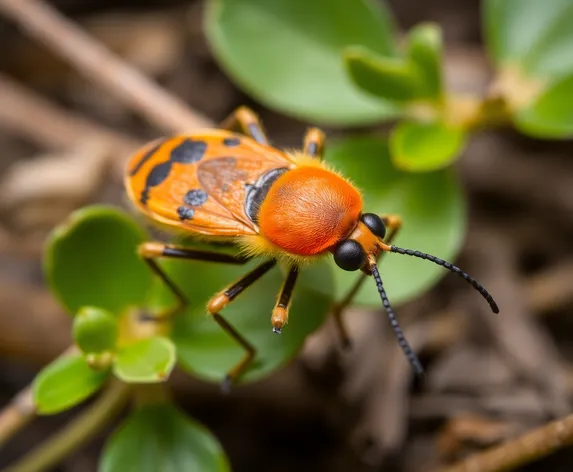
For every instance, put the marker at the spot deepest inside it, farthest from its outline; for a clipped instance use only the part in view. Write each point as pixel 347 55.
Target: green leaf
pixel 207 351
pixel 389 78
pixel 64 383
pixel 432 208
pixel 92 260
pixel 95 330
pixel 551 114
pixel 148 360
pixel 534 34
pixel 297 69
pixel 424 49
pixel 161 438
pixel 424 147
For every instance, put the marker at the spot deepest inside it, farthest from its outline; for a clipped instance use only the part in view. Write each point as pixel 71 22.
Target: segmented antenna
pixel 412 358
pixel 484 293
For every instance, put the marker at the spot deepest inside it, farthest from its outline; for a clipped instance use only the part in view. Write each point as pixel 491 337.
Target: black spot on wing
pixel 195 197
pixel 144 196
pixel 148 155
pixel 188 152
pixel 231 142
pixel 185 213
pixel 157 175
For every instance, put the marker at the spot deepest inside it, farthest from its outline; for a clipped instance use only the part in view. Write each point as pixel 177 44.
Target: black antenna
pixel 484 293
pixel 395 325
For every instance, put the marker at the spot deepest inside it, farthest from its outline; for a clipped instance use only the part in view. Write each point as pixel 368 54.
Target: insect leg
pixel 249 123
pixel 220 301
pixel 150 251
pixel 314 143
pixel 393 223
pixel 280 312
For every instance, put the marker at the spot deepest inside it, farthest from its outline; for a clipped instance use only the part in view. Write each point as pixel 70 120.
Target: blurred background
pixel 489 377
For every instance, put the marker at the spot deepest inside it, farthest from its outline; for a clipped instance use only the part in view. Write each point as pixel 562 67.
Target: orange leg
pixel 279 317
pixel 220 301
pixel 314 143
pixel 393 224
pixel 152 250
pixel 248 122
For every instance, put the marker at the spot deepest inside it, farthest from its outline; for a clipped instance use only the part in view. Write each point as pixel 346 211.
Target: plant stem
pixel 530 446
pixel 77 432
pixel 151 394
pixel 98 64
pixel 21 410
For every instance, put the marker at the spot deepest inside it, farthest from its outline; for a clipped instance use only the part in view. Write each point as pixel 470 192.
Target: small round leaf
pixel 92 260
pixel 531 41
pixel 534 35
pixel 148 360
pixel 298 69
pixel 551 114
pixel 95 330
pixel 424 147
pixel 65 383
pixel 205 350
pixel 432 208
pixel 161 438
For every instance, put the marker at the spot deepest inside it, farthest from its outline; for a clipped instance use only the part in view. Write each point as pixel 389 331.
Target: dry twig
pixel 520 451
pixel 19 412
pixel 98 64
pixel 33 117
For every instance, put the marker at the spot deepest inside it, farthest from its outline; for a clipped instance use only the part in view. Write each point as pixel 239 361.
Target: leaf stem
pixel 21 410
pixel 76 433
pixel 151 394
pixel 464 111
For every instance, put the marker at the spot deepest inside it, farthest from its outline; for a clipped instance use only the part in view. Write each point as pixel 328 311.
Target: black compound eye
pixel 349 255
pixel 374 224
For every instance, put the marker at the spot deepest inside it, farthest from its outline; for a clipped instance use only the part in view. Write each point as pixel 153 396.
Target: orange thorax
pixel 308 210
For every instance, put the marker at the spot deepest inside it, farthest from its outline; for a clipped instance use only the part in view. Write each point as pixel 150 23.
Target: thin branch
pixel 77 432
pixel 46 124
pixel 531 446
pixel 98 64
pixel 21 410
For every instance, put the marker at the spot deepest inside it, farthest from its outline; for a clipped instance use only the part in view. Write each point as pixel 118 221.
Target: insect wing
pixel 199 182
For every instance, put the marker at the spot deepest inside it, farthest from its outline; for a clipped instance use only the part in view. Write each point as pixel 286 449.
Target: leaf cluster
pixel 346 63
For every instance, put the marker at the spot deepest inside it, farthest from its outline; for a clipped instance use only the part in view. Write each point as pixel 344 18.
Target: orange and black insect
pixel 221 185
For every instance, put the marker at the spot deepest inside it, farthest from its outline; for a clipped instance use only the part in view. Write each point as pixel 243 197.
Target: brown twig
pixel 65 38
pixel 17 414
pixel 33 117
pixel 522 450
pixel 551 289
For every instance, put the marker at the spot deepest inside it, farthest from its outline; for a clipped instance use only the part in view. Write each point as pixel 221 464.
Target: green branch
pixel 76 433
